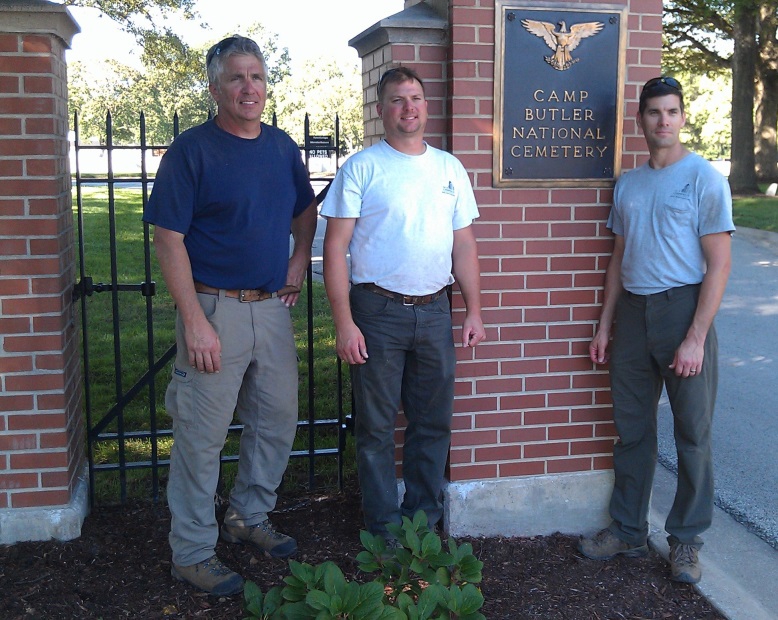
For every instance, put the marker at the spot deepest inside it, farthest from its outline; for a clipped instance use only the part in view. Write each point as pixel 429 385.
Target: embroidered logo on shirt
pixel 683 193
pixel 179 372
pixel 449 189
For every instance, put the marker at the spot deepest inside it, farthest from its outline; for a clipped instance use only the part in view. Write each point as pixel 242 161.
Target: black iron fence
pixel 128 334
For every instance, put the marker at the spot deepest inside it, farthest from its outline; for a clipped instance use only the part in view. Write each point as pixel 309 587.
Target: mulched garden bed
pixel 120 568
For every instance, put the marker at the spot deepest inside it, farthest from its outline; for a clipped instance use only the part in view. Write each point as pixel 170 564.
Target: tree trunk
pixel 742 176
pixel 766 152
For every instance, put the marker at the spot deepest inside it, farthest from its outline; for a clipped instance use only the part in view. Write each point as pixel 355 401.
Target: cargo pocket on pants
pixel 179 398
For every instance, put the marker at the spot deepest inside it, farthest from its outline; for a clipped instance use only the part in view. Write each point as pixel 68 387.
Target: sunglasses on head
pixel 220 47
pixel 667 80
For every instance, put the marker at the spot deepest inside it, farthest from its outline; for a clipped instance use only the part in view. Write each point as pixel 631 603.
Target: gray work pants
pixel 648 331
pixel 258 377
pixel 411 361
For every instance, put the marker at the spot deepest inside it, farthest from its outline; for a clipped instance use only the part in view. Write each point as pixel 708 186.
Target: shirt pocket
pixel 676 216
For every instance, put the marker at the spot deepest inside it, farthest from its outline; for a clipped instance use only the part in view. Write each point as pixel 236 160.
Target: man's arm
pixel 598 349
pixel 717 249
pixel 202 343
pixel 349 343
pixel 303 232
pixel 467 272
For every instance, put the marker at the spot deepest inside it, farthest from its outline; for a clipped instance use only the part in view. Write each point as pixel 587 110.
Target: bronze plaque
pixel 559 85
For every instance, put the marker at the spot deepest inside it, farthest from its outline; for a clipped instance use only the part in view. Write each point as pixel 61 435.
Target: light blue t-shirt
pixel 662 214
pixel 408 207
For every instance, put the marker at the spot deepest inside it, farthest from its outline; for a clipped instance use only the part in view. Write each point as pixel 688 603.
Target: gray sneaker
pixel 605 545
pixel 263 537
pixel 211 576
pixel 684 563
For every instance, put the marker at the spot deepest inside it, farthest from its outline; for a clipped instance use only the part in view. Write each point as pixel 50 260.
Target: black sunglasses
pixel 220 47
pixel 667 80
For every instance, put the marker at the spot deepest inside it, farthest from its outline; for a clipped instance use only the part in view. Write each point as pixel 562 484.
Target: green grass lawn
pixel 757 211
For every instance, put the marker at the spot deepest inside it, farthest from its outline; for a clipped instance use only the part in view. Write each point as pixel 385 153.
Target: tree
pixel 742 175
pixel 767 93
pixel 322 89
pixel 710 36
pixel 140 17
pixel 708 130
pixel 173 80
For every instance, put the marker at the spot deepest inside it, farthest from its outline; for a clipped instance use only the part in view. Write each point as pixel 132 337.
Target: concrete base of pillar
pixel 59 522
pixel 531 506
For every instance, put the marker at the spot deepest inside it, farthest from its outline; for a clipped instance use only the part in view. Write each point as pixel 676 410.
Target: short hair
pixel 659 87
pixel 217 55
pixel 397 75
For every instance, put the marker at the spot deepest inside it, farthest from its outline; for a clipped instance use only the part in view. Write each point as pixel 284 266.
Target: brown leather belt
pixel 244 295
pixel 407 300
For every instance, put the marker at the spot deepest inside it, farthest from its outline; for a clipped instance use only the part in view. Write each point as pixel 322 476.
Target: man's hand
pixel 303 231
pixel 598 348
pixel 350 344
pixel 203 347
pixel 688 358
pixel 473 331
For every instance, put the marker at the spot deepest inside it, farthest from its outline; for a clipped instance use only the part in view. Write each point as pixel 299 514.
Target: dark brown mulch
pixel 120 568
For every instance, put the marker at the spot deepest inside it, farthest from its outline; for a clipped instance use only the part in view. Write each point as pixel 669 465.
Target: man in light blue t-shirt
pixel 403 210
pixel 672 221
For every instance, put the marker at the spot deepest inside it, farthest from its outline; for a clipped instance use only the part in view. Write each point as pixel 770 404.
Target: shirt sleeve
pixel 344 198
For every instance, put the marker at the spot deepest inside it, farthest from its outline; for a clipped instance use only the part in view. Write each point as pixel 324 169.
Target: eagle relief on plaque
pixel 558 93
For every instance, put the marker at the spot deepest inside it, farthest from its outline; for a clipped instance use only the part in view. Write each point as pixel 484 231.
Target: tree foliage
pixel 708 130
pixel 141 18
pixel 737 37
pixel 322 89
pixel 172 80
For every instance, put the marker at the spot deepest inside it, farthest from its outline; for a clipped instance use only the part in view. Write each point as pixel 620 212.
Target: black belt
pixel 666 293
pixel 407 300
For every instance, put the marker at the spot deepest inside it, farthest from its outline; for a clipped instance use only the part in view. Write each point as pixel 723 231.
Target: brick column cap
pixel 419 23
pixel 38 17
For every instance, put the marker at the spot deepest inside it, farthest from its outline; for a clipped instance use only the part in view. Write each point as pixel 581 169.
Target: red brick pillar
pixel 42 483
pixel 533 431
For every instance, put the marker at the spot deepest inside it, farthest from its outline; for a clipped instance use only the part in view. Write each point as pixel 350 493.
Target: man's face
pixel 662 120
pixel 241 91
pixel 403 109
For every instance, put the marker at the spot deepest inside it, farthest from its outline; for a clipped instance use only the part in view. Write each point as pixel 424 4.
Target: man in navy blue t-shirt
pixel 226 197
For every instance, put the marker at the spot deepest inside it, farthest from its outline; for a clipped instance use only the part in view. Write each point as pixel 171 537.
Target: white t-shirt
pixel 662 214
pixel 407 207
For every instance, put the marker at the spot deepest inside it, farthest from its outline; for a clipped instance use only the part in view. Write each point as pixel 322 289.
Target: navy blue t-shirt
pixel 233 199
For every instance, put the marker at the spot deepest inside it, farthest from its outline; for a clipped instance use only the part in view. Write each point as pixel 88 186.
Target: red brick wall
pixel 529 401
pixel 41 435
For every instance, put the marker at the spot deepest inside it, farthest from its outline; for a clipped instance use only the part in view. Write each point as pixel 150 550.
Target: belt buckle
pixel 242 296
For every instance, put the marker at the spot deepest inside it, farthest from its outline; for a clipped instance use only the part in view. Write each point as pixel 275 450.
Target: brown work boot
pixel 263 537
pixel 211 576
pixel 684 563
pixel 605 545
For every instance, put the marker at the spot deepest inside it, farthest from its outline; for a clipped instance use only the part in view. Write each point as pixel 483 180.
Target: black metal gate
pixel 128 334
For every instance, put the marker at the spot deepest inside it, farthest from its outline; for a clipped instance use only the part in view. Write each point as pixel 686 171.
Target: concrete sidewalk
pixel 739 569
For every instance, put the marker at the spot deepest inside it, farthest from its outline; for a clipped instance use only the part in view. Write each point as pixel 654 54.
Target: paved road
pixel 745 433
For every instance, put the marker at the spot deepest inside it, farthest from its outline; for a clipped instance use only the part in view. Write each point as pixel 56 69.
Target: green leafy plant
pixel 416 580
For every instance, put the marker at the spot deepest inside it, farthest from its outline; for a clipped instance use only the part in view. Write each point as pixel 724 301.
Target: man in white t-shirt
pixel 403 210
pixel 672 221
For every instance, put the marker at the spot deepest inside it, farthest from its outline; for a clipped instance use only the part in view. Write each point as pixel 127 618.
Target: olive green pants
pixel 649 329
